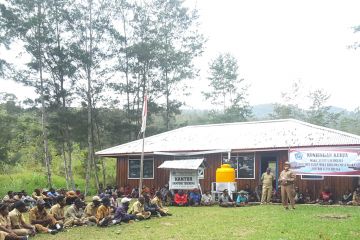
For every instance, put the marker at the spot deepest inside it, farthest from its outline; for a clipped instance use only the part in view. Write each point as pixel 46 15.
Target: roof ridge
pixel 245 122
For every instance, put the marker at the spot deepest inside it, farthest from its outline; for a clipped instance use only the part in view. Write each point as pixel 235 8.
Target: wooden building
pixel 250 146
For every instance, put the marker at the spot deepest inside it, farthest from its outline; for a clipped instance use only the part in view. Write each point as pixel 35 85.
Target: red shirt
pixel 326 196
pixel 180 199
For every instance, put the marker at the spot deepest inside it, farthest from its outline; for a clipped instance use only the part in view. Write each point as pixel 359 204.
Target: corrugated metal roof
pixel 239 136
pixel 182 164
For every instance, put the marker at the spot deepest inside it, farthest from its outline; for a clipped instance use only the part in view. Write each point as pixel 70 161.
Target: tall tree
pixel 227 89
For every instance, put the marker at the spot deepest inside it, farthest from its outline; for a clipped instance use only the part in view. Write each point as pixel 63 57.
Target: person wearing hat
pixel 17 220
pixel 91 209
pixel 43 221
pixel 57 211
pixel 242 199
pixel 74 215
pixel 5 225
pixel 267 179
pixel 225 200
pixel 286 180
pixel 121 213
pixel 158 202
pixel 103 213
pixel 138 209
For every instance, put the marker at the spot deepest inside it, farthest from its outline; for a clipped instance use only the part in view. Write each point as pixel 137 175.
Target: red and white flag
pixel 144 114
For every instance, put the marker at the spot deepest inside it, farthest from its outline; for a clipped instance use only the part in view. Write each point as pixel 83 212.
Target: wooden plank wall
pixel 161 176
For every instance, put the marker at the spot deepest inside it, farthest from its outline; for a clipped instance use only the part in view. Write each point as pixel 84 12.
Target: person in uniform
pixel 286 181
pixel 18 221
pixel 267 180
pixel 5 225
pixel 75 215
pixel 138 209
pixel 91 209
pixel 43 221
pixel 57 211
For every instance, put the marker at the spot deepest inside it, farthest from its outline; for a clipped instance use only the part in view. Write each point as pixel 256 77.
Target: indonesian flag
pixel 144 114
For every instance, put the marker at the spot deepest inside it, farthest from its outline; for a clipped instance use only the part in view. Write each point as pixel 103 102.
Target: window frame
pixel 241 154
pixel 309 177
pixel 145 159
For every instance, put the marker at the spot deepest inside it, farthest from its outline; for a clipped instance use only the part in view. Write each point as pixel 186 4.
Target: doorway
pixel 270 161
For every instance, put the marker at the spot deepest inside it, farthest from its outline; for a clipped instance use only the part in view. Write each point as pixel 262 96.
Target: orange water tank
pixel 225 173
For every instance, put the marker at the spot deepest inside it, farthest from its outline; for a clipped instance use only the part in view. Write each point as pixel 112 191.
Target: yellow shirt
pixel 157 201
pixel 102 212
pixel 57 211
pixel 16 218
pixel 137 207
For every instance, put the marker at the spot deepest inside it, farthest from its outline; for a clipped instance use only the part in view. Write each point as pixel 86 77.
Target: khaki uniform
pixel 17 220
pixel 90 212
pixel 3 235
pixel 58 212
pixel 157 201
pixel 287 179
pixel 356 199
pixel 138 209
pixel 74 217
pixel 36 215
pixel 38 197
pixel 267 187
pixel 102 213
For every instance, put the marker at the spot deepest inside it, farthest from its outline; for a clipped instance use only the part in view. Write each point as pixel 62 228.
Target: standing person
pixel 267 180
pixel 286 180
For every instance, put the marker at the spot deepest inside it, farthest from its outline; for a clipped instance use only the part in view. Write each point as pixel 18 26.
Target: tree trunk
pixel 69 150
pixel 43 112
pixel 89 107
pixel 65 166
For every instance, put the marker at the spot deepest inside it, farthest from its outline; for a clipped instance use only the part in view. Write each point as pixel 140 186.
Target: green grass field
pixel 255 222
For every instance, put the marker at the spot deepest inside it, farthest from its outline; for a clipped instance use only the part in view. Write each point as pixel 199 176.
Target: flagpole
pixel 143 129
pixel 142 164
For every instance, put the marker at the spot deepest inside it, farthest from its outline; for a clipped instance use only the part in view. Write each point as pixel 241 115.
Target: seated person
pixel 251 194
pixel 258 192
pixel 91 209
pixel 121 213
pixel 52 195
pixel 38 194
pixel 298 197
pixel 307 197
pixel 57 211
pixel 145 190
pixel 75 216
pixel 103 213
pixel 242 199
pixel 164 211
pixel 121 192
pixel 194 197
pixel 356 197
pixel 29 201
pixel 168 200
pixel 325 197
pixel 206 199
pixel 127 190
pixel 276 195
pixel 18 221
pixel 180 199
pixel 225 200
pixel 80 195
pixel 9 198
pixel 70 197
pixel 5 225
pixel 43 221
pixel 138 209
pixel 149 207
pixel 346 197
pixel 134 193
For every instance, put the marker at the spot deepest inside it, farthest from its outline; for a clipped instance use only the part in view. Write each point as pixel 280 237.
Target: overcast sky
pixel 276 43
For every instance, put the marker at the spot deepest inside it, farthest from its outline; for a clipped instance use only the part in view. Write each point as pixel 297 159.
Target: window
pixel 312 177
pixel 134 168
pixel 244 165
